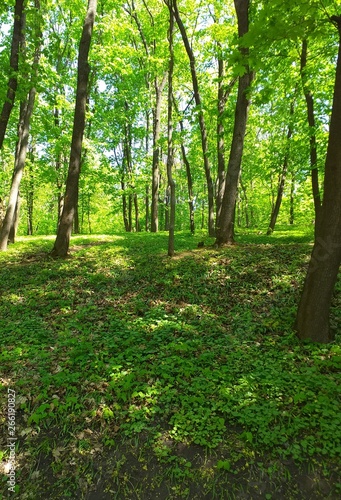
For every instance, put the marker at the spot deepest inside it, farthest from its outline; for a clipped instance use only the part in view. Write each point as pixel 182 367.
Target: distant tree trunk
pixel 88 211
pixel 130 213
pixel 156 153
pixel 312 133
pixel 170 147
pixel 17 41
pixel 283 174
pixel 246 202
pixel 202 124
pixel 147 207
pixel 124 206
pixel 137 219
pixel 189 189
pixel 76 228
pixel 30 194
pixel 188 173
pixel 15 222
pixel 312 320
pixel 159 87
pixel 147 185
pixel 225 230
pixel 166 205
pixel 292 200
pixel 203 210
pixel 61 246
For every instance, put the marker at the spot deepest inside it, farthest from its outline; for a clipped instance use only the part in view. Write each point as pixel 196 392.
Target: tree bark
pixel 26 109
pixel 170 147
pixel 61 245
pixel 30 194
pixel 222 98
pixel 124 206
pixel 15 221
pixel 156 152
pixel 225 230
pixel 147 185
pixel 312 134
pixel 202 124
pixel 147 208
pixel 283 175
pixel 312 320
pixel 137 217
pixel 292 200
pixel 188 174
pixel 17 41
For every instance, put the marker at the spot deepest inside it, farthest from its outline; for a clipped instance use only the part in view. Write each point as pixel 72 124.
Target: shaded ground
pixel 137 376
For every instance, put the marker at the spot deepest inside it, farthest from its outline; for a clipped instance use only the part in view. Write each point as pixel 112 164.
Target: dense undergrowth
pixel 140 376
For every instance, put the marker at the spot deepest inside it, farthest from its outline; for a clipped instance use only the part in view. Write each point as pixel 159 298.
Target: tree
pixel 10 222
pixel 225 225
pixel 170 149
pixel 159 83
pixel 17 41
pixel 202 124
pixel 61 245
pixel 283 174
pixel 312 320
pixel 312 133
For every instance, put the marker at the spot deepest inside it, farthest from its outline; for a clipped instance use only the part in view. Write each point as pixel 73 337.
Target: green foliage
pixel 198 351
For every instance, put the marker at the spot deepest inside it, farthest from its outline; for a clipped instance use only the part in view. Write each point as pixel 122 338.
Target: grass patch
pixel 140 376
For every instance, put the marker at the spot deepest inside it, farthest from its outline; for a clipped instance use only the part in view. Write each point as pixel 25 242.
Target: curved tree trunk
pixel 188 173
pixel 202 124
pixel 313 146
pixel 17 41
pixel 312 320
pixel 61 246
pixel 225 229
pixel 283 175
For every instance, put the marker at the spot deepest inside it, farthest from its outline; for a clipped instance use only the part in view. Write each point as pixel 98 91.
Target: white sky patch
pixel 102 86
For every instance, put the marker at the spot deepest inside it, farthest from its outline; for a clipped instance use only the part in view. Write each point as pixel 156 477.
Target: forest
pixel 170 247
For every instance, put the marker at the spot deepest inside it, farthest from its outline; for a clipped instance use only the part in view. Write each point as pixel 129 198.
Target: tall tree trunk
pixel 156 152
pixel 202 124
pixel 26 110
pixel 61 245
pixel 188 173
pixel 225 230
pixel 221 104
pixel 312 320
pixel 283 174
pixel 170 147
pixel 312 133
pixel 17 41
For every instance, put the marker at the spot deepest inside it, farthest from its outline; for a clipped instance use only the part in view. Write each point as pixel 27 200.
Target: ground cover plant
pixel 140 376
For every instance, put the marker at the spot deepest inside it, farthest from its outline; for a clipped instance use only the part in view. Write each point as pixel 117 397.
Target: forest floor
pixel 137 376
